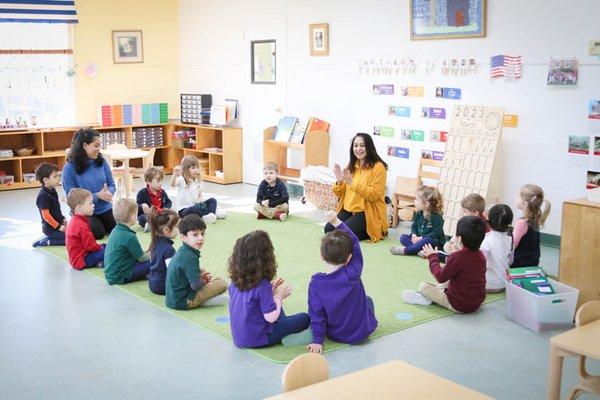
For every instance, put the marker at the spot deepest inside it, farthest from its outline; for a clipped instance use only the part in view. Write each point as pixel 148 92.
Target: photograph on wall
pixel 594 109
pixel 597 146
pixel 448 93
pixel 579 144
pixel 127 47
pixel 447 19
pixel 438 136
pixel 319 39
pixel 385 89
pixel 433 112
pixel 593 180
pixel 562 72
pixel 399 111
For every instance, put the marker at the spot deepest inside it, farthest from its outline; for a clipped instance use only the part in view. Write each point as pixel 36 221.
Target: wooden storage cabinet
pixel 580 248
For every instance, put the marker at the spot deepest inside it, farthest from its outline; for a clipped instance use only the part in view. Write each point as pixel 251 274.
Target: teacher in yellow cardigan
pixel 361 190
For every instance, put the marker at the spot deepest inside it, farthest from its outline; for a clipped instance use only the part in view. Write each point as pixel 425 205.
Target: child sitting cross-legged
pixel 255 299
pixel 187 285
pixel 124 259
pixel 152 196
pixel 163 228
pixel 53 221
pixel 272 195
pixel 338 306
pixel 82 248
pixel 461 286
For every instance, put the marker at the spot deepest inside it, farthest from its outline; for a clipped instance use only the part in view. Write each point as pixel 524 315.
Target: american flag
pixel 509 66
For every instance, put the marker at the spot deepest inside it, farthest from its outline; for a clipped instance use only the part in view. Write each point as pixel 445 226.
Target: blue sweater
pixel 93 179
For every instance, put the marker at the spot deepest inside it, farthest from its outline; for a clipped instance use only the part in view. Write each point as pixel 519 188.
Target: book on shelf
pixel 316 124
pixel 299 131
pixel 284 129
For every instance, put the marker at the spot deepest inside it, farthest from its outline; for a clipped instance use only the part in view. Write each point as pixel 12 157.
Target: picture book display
pixel 469 157
pixel 285 129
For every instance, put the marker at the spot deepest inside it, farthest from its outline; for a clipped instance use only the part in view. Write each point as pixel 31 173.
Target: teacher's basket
pixel 318 187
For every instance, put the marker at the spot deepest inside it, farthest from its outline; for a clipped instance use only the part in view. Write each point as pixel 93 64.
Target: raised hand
pixel 339 174
pixel 282 291
pixel 347 176
pixel 429 250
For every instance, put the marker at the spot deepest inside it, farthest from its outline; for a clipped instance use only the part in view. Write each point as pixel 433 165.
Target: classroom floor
pixel 67 334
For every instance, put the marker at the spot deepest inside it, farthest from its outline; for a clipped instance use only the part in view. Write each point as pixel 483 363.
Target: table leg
pixel 555 373
pixel 126 178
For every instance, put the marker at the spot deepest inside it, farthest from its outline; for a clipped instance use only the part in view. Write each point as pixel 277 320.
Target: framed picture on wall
pixel 127 47
pixel 319 39
pixel 263 62
pixel 447 19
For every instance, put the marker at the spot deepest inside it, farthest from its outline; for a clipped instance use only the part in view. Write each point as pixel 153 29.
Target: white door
pixel 263 103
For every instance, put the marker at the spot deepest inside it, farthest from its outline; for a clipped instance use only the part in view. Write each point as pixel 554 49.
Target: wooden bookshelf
pixel 50 145
pixel 315 147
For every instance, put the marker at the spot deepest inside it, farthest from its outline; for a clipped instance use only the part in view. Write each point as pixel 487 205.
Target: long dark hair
pixel 77 154
pixel 159 220
pixel 500 218
pixel 252 260
pixel 371 158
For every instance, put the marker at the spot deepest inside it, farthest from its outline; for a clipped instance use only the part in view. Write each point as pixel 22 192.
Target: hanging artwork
pixel 262 62
pixel 447 19
pixel 127 47
pixel 319 39
pixel 562 72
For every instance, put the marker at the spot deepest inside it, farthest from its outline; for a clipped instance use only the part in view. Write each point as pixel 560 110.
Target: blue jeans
pixel 55 237
pixel 142 219
pixel 410 248
pixel 93 259
pixel 140 271
pixel 208 206
pixel 287 325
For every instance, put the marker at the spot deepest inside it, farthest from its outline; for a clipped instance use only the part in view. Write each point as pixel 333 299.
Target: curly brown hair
pixel 434 197
pixel 252 260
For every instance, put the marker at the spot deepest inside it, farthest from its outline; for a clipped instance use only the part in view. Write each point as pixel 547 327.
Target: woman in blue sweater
pixel 87 169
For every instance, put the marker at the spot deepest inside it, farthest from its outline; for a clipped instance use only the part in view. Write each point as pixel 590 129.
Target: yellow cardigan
pixel 371 187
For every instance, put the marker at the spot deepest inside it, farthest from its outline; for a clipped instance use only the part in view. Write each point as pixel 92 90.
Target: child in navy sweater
pixel 53 221
pixel 151 196
pixel 272 196
pixel 163 228
pixel 337 303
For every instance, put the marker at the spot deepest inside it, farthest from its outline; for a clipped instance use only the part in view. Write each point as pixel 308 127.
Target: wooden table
pixel 581 341
pixel 579 251
pixel 392 380
pixel 124 156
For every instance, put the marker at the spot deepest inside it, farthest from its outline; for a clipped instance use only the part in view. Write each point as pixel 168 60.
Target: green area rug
pixel 297 242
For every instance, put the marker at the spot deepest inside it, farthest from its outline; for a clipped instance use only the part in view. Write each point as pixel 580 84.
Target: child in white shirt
pixel 497 247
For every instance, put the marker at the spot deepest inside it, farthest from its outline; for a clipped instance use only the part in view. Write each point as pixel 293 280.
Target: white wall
pixel 211 35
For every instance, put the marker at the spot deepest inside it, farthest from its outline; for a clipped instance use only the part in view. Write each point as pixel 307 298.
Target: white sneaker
pixel 147 227
pixel 209 219
pixel 216 301
pixel 412 297
pixel 221 214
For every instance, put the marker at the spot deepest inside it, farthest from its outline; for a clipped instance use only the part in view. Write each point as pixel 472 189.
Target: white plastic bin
pixel 554 311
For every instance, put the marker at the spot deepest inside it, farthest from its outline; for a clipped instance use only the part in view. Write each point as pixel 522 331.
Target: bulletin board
pixel 473 139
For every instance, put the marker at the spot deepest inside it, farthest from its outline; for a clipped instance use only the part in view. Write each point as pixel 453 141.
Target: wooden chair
pixel 588 312
pixel 147 162
pixel 305 370
pixel 405 188
pixel 118 172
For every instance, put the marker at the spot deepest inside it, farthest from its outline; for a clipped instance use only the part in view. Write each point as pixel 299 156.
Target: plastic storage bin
pixel 554 311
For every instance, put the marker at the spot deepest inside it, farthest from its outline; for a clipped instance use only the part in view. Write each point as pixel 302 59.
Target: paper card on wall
pixel 432 155
pixel 402 152
pixel 597 146
pixel 510 120
pixel 438 155
pixel 594 109
pixel 399 111
pixel 433 112
pixel 383 89
pixel 385 131
pixel 593 180
pixel 409 134
pixel 438 136
pixel 579 144
pixel 448 93
pixel 562 72
pixel 412 91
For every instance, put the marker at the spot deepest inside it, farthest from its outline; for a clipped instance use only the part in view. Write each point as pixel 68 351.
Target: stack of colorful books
pixel 133 114
pixel 532 279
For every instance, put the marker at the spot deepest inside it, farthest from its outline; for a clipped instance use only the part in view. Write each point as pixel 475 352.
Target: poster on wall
pixel 399 111
pixel 433 112
pixel 448 93
pixel 385 131
pixel 593 180
pixel 579 144
pixel 444 19
pixel 385 89
pixel 594 109
pixel 411 134
pixel 562 72
pixel 438 136
pixel 400 152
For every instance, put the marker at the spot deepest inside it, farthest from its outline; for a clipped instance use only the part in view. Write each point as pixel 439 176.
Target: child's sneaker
pixel 412 297
pixel 397 250
pixel 281 216
pixel 100 264
pixel 260 216
pixel 221 214
pixel 298 339
pixel 216 301
pixel 43 241
pixel 209 218
pixel 147 227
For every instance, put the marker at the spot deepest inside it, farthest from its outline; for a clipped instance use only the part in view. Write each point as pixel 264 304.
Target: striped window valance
pixel 41 11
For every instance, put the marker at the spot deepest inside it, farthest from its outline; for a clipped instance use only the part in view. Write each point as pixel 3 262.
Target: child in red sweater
pixel 83 250
pixel 461 285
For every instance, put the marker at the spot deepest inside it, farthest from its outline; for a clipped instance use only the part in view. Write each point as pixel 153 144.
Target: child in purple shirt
pixel 255 311
pixel 337 303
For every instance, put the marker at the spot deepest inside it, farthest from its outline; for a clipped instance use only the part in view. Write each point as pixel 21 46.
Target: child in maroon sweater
pixel 461 285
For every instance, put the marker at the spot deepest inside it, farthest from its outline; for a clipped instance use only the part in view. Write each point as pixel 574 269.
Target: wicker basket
pixel 320 195
pixel 25 151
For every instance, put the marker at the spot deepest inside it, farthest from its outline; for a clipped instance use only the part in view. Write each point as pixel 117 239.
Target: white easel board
pixel 469 158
